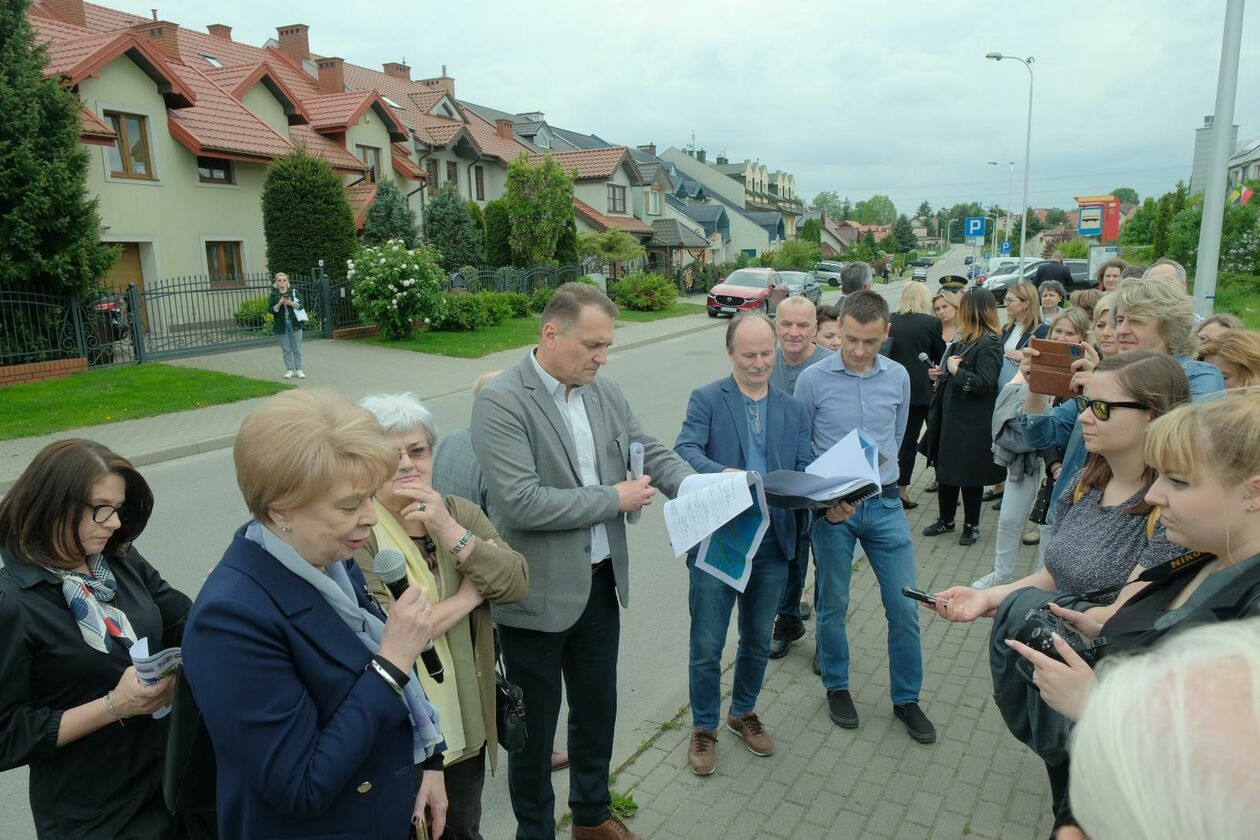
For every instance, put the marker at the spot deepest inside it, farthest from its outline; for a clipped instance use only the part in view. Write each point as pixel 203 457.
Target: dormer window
pixel 391 103
pixel 212 61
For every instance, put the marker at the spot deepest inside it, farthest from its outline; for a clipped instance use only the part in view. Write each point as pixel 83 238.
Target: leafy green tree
pixel 498 235
pixel 602 250
pixel 539 202
pixel 1159 229
pixel 799 254
pixel 1055 217
pixel 50 232
pixel 1126 195
pixel 1180 195
pixel 1137 231
pixel 390 218
pixel 845 209
pixel 828 201
pixel 1074 249
pixel 925 210
pixel 567 244
pixel 306 217
pixel 812 231
pixel 876 210
pixel 903 234
pixel 449 229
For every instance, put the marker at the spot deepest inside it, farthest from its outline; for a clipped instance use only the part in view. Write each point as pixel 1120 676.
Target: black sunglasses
pixel 1102 408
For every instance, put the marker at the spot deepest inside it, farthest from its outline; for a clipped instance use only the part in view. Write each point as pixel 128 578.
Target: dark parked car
pixel 922 262
pixel 802 284
pixel 968 260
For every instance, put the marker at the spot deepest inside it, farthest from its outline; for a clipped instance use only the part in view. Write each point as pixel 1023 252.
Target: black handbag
pixel 188 777
pixel 509 707
pixel 1041 505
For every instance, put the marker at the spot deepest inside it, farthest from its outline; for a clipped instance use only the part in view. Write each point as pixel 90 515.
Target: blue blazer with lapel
pixel 712 438
pixel 308 742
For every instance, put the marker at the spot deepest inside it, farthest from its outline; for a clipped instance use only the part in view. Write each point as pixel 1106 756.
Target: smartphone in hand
pixel 1051 373
pixel 919 595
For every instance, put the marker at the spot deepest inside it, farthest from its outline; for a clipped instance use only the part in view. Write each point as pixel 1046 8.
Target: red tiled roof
pixel 221 125
pixel 590 164
pixel 339 111
pixel 238 79
pixel 403 164
pixel 489 140
pixel 93 130
pixel 426 98
pixel 74 59
pixel 361 197
pixel 321 147
pixel 597 219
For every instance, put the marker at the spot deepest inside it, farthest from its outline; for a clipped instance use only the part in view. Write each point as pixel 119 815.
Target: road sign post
pixel 973 227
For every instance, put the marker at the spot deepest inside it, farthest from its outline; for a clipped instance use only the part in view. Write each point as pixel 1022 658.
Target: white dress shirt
pixel 573 409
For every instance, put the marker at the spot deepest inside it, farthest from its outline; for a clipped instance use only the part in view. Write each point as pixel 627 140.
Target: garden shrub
pixel 460 313
pixel 498 309
pixel 395 287
pixel 254 314
pixel 644 292
pixel 539 299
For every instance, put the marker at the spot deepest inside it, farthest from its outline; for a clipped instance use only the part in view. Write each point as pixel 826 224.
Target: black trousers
pixel 947 502
pixel 586 656
pixel 910 443
pixel 464 784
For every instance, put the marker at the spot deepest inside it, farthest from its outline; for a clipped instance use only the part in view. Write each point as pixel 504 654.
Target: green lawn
pixel 121 393
pixel 516 332
pixel 1243 302
pixel 673 312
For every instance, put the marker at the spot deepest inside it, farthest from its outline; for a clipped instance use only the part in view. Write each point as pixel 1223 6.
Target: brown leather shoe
pixel 749 728
pixel 610 829
pixel 559 760
pixel 702 754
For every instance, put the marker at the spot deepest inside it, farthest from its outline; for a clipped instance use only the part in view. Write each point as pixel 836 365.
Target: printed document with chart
pixel 726 514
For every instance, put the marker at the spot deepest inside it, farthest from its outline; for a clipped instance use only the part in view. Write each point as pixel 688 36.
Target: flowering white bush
pixel 394 287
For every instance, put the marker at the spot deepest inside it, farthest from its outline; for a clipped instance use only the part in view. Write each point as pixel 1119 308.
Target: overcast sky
pixel 892 97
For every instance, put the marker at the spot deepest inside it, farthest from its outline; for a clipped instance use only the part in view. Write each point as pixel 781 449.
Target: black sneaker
pixel 937 528
pixel 970 533
pixel 917 724
pixel 786 631
pixel 842 711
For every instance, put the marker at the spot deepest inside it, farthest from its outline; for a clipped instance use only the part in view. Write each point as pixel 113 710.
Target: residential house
pixel 697 183
pixel 1244 165
pixel 831 243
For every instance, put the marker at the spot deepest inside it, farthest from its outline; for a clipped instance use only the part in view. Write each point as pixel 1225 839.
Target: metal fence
pixel 39 326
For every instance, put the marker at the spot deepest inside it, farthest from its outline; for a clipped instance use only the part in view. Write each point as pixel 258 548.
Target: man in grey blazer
pixel 553 441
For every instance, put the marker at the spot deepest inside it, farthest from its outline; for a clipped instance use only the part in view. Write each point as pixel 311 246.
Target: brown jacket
pixel 500 574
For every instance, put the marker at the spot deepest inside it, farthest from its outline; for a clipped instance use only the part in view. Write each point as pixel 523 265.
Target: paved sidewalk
pixel 976 781
pixel 352 368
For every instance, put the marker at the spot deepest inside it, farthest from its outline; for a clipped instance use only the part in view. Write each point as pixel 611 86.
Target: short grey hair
pixel 855 277
pixel 566 304
pixel 401 413
pixel 1179 270
pixel 1168 744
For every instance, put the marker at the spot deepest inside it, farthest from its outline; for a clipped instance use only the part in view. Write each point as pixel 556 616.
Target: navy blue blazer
pixel 309 743
pixel 712 439
pixel 1040 332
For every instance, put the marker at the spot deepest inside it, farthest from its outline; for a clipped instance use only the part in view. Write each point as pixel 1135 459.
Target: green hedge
pixel 540 298
pixel 460 313
pixel 644 292
pixel 254 314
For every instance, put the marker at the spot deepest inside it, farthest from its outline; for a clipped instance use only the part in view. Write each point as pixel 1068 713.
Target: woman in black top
pixel 913 331
pixel 74 596
pixel 958 439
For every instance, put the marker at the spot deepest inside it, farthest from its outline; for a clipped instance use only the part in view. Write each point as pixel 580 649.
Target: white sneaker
pixel 288 374
pixel 301 375
pixel 990 580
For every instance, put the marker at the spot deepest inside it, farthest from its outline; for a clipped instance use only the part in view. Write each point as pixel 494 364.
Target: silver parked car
pixel 802 284
pixel 828 271
pixel 999 283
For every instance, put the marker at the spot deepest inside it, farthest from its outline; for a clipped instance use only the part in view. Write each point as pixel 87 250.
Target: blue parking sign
pixel 1006 248
pixel 973 226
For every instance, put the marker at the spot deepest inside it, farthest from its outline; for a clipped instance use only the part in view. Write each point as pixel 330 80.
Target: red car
pixel 746 290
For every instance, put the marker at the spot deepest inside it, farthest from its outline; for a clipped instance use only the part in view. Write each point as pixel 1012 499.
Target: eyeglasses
pixel 102 513
pixel 416 454
pixel 1102 408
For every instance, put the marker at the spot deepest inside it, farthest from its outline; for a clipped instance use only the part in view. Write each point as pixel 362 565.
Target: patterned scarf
pixel 89 601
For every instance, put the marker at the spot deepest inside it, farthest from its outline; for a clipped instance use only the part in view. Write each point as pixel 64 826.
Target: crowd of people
pixel 347 656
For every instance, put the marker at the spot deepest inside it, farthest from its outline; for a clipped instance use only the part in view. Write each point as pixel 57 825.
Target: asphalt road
pixel 198 507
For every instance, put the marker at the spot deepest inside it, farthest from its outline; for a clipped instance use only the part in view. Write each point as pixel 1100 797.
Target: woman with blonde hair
pixel 914 332
pixel 1214 325
pixel 1085 299
pixel 320 725
pixel 1103 328
pixel 1236 354
pixel 958 440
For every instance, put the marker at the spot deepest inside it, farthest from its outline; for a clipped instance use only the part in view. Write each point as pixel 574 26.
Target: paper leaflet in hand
pixel 848 471
pixel 725 513
pixel 154 668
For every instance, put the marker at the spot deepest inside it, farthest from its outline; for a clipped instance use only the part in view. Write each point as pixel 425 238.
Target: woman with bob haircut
pixel 913 330
pixel 958 440
pixel 74 596
pixel 1236 354
pixel 462 565
pixel 1215 325
pixel 319 723
pixel 1108 275
pixel 1207 456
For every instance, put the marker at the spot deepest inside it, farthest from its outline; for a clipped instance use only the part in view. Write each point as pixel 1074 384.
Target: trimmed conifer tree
pixel 389 217
pixel 306 217
pixel 498 235
pixel 50 231
pixel 567 244
pixel 449 228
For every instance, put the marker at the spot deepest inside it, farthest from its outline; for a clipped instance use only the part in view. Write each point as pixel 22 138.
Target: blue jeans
pixel 797 569
pixel 880 524
pixel 710 602
pixel 291 346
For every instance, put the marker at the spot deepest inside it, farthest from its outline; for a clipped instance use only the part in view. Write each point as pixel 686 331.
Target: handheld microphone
pixel 636 471
pixel 391 567
pixel 923 357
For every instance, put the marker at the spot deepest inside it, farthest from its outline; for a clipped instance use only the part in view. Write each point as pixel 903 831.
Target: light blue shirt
pixel 573 409
pixel 877 403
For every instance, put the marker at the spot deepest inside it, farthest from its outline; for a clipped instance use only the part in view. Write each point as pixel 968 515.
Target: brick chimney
pixel 650 148
pixel 722 160
pixel 503 128
pixel 700 155
pixel 71 10
pixel 219 30
pixel 443 82
pixel 332 75
pixel 294 42
pixel 162 34
pixel 398 70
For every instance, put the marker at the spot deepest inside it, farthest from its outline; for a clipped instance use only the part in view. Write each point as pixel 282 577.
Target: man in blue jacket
pixel 739 423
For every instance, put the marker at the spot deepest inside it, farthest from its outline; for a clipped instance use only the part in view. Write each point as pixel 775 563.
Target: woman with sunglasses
pixel 75 595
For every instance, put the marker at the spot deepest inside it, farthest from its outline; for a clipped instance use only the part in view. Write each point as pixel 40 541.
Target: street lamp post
pixel 1023 227
pixel 1010 190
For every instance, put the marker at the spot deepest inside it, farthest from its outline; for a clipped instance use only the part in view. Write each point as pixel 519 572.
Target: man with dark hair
pixel 858 388
pixel 553 441
pixel 740 422
pixel 1052 271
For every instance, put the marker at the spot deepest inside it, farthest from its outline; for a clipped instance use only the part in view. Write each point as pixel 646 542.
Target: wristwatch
pixel 463 542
